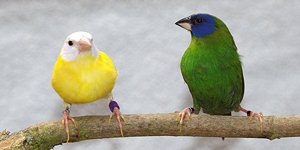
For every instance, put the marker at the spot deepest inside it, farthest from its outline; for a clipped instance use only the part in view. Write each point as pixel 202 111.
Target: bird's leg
pixel 115 109
pixel 189 111
pixel 65 122
pixel 251 114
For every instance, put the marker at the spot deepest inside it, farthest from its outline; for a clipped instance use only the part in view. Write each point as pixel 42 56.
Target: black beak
pixel 185 23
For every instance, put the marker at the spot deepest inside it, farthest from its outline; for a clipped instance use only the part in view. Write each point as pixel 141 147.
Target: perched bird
pixel 212 69
pixel 83 74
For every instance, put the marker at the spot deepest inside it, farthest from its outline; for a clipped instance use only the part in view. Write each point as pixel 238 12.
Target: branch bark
pixel 48 134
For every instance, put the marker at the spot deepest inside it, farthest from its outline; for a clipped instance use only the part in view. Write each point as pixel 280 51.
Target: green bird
pixel 212 68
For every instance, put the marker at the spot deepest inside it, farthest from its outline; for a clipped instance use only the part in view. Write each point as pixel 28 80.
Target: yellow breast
pixel 84 79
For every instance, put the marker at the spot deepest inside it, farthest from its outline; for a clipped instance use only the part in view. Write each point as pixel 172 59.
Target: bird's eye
pixel 70 43
pixel 198 20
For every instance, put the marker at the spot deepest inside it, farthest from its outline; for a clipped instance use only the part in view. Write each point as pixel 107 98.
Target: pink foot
pixel 116 112
pixel 251 114
pixel 65 121
pixel 182 114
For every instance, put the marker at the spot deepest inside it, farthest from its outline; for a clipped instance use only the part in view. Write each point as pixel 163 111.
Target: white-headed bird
pixel 83 74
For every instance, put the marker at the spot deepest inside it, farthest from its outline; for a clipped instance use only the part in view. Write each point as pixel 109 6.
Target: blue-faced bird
pixel 212 68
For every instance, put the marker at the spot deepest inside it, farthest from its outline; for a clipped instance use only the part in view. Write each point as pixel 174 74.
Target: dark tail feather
pixel 229 114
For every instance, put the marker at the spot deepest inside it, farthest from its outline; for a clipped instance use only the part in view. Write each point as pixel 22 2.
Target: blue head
pixel 199 24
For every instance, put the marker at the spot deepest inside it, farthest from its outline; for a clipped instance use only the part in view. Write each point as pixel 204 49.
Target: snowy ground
pixel 146 46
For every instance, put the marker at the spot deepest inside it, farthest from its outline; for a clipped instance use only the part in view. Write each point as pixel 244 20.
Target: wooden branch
pixel 48 134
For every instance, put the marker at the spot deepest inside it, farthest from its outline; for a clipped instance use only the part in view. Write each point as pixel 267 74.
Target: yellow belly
pixel 85 79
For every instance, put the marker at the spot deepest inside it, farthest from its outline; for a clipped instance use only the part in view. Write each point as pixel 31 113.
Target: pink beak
pixel 85 44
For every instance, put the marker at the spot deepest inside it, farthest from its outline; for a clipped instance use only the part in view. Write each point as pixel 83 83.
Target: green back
pixel 212 69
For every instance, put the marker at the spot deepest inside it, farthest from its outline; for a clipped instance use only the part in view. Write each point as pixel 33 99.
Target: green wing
pixel 214 77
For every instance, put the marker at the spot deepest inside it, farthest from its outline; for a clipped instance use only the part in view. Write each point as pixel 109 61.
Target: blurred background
pixel 146 47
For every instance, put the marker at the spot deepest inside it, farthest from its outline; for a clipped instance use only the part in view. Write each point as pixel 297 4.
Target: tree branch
pixel 48 134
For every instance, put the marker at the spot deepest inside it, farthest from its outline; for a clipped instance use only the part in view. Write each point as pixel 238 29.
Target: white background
pixel 146 47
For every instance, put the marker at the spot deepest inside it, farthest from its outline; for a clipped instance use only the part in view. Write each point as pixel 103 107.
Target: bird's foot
pixel 252 114
pixel 65 121
pixel 181 115
pixel 115 109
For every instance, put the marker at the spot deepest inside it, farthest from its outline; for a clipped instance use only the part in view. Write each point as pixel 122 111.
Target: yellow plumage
pixel 85 79
pixel 82 74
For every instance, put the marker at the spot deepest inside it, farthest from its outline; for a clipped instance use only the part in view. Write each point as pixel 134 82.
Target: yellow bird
pixel 82 74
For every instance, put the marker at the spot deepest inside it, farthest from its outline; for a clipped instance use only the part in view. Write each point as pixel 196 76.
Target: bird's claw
pixel 65 122
pixel 181 116
pixel 119 115
pixel 260 116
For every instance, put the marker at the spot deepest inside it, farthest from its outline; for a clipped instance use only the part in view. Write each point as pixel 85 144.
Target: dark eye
pixel 198 20
pixel 70 43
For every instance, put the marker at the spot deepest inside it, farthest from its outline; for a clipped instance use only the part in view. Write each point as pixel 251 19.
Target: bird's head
pixel 78 43
pixel 200 25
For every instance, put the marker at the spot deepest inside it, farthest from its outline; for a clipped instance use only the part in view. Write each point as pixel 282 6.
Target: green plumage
pixel 212 69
